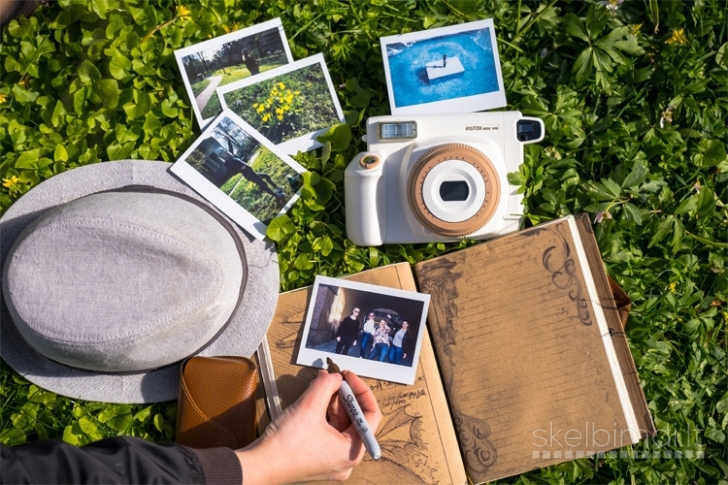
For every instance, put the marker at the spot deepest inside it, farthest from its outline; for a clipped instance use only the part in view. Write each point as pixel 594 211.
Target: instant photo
pixel 448 70
pixel 241 173
pixel 372 330
pixel 290 106
pixel 229 58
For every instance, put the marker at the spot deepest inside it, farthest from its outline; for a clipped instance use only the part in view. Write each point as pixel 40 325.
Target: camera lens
pixel 454 191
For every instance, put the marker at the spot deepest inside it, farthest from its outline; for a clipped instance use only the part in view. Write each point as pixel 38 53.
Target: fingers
pixel 365 397
pixel 321 389
pixel 338 418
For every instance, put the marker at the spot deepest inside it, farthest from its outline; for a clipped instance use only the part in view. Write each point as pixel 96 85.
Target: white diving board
pixel 448 66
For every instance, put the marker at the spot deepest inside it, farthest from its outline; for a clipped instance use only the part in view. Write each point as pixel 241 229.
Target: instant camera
pixel 437 178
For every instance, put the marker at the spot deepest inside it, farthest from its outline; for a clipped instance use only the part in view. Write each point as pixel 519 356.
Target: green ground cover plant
pixel 286 106
pixel 634 95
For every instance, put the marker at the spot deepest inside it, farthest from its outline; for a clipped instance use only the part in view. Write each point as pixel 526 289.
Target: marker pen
pixel 356 414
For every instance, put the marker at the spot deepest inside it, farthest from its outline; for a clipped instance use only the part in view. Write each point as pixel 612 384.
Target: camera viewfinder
pixel 397 131
pixel 528 130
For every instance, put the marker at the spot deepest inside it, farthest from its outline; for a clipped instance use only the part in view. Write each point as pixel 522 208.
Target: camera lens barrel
pixel 453 190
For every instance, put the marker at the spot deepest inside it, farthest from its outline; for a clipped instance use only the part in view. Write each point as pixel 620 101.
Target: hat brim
pixel 241 336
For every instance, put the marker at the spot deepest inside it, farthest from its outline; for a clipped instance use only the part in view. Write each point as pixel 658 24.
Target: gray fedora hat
pixel 113 273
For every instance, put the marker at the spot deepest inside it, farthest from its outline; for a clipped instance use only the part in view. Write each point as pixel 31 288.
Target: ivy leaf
pixel 71 436
pixel 158 422
pixel 101 7
pixel 88 426
pixel 280 227
pixel 60 154
pixel 325 154
pixel 715 434
pixel 23 96
pixel 361 96
pixel 119 66
pixel 713 152
pixel 324 245
pixel 28 159
pixel 168 109
pixel 88 73
pixel 108 91
pixel 11 65
pixel 59 114
pixel 303 262
pixel 316 191
pixel 338 135
pixel 119 151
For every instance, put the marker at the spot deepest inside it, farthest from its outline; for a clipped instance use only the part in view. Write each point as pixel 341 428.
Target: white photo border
pixel 218 42
pixel 364 367
pixel 214 195
pixel 466 104
pixel 305 142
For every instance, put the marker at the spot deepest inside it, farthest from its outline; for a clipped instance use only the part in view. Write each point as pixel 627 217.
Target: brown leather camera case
pixel 216 405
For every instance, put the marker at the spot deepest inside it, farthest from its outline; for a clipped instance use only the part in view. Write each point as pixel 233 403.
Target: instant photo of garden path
pixel 634 97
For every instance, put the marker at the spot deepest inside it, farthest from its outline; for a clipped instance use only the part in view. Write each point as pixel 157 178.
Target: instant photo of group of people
pixel 376 331
pixel 375 337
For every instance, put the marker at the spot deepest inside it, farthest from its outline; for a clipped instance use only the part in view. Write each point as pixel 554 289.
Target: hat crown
pixel 123 281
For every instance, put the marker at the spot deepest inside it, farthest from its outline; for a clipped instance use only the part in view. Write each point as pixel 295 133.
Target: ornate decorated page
pixel 417 436
pixel 531 350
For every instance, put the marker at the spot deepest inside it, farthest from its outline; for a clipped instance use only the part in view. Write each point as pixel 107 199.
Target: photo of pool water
pixel 408 64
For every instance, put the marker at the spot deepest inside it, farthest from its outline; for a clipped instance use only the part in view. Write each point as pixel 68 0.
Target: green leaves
pixel 88 73
pixel 280 227
pixel 711 153
pixel 339 136
pixel 317 191
pixel 635 136
pixel 603 53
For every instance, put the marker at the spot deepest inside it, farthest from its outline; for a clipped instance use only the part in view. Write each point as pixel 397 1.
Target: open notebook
pixel 526 364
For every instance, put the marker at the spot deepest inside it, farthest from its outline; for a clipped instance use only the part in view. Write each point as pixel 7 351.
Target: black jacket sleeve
pixel 117 460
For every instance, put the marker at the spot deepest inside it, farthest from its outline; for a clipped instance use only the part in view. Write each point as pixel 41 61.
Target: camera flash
pixel 397 131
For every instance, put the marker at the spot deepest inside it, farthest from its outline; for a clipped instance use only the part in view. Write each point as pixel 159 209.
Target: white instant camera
pixel 437 178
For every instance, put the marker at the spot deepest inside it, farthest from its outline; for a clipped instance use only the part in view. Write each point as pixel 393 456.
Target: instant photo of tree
pixel 295 101
pixel 228 59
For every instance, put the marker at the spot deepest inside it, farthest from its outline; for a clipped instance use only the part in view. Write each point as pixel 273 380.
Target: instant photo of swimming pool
pixel 444 66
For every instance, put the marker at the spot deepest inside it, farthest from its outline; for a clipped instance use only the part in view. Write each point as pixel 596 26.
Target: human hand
pixel 313 439
pixel 338 339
